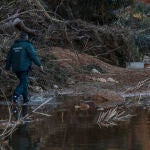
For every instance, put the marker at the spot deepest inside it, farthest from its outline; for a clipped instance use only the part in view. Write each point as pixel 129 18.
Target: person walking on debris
pixel 20 58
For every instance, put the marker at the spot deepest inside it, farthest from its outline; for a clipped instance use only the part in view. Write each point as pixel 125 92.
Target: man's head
pixel 24 36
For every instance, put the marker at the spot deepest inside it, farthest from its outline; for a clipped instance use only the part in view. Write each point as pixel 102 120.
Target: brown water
pixel 74 131
pixel 69 129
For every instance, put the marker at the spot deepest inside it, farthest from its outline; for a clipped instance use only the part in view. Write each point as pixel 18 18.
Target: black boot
pixel 24 110
pixel 15 99
pixel 26 100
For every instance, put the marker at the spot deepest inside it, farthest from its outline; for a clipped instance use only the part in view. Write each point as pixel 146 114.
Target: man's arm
pixel 33 55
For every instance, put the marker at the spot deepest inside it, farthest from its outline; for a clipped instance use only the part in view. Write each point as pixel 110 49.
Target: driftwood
pixel 15 22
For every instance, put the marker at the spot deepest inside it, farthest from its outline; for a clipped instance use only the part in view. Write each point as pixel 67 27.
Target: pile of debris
pixel 84 46
pixel 108 43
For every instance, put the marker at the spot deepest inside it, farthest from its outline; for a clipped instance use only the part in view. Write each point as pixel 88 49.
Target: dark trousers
pixel 22 88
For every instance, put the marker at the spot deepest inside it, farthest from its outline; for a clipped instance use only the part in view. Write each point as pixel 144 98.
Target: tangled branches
pixel 102 42
pixel 111 117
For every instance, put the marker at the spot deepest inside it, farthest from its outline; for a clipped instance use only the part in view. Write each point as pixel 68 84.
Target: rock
pixel 38 89
pixel 95 71
pixel 55 86
pixel 101 80
pixel 70 81
pixel 148 14
pixel 112 80
pixel 91 66
pixel 106 96
pixel 94 79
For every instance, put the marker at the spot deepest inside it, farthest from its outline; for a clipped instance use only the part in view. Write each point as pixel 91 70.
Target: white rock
pixel 94 70
pixel 112 80
pixel 55 86
pixel 38 89
pixel 101 80
pixel 94 79
pixel 70 81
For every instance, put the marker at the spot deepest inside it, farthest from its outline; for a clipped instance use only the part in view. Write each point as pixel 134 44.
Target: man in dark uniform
pixel 20 58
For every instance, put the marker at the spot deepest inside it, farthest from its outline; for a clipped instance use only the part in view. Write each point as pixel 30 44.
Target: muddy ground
pixel 81 72
pixel 81 87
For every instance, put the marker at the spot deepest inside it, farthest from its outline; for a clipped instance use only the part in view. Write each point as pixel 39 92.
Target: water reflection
pixel 21 140
pixel 78 133
pixel 132 135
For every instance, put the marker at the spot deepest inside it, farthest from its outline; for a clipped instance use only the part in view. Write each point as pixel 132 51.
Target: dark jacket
pixel 21 56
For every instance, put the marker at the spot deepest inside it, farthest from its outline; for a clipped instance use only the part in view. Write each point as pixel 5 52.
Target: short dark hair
pixel 23 35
